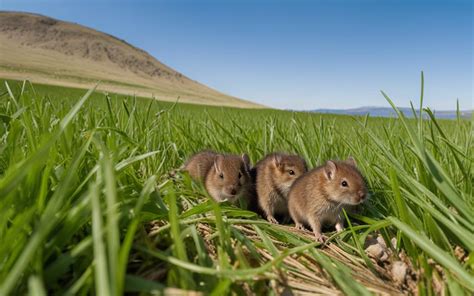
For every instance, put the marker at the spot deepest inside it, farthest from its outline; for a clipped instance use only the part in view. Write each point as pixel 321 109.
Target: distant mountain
pixel 389 112
pixel 46 50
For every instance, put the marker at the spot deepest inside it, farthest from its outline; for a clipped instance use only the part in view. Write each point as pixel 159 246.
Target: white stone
pixel 399 271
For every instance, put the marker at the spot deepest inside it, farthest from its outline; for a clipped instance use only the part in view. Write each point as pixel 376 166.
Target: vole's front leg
pixel 316 227
pixel 339 224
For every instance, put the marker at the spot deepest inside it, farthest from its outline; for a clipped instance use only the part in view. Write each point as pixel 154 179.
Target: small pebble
pixel 384 256
pixel 375 250
pixel 381 241
pixel 460 253
pixel 399 271
pixel 370 241
pixel 393 241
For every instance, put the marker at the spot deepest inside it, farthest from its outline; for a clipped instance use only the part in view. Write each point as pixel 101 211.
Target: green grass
pixel 73 78
pixel 87 204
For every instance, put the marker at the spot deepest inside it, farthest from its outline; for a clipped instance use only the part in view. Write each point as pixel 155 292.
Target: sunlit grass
pixel 87 203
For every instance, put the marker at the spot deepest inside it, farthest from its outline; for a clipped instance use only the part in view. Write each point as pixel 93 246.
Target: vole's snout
pixel 361 195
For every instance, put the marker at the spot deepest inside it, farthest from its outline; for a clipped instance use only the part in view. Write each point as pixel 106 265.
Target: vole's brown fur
pixel 318 196
pixel 274 176
pixel 226 177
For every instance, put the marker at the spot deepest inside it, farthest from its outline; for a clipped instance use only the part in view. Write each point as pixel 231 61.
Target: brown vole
pixel 274 176
pixel 318 196
pixel 226 177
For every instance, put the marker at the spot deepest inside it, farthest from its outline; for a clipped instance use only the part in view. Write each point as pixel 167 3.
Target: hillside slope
pixel 50 51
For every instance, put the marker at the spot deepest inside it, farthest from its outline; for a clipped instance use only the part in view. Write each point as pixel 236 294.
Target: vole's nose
pixel 233 191
pixel 361 194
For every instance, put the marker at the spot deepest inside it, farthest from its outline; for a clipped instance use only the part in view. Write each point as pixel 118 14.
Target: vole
pixel 225 177
pixel 274 176
pixel 318 196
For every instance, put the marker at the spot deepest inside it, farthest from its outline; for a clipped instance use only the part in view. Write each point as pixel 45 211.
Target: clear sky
pixel 297 54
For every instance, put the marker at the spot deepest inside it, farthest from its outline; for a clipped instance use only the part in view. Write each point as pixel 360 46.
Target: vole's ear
pixel 246 161
pixel 218 163
pixel 351 161
pixel 277 160
pixel 330 169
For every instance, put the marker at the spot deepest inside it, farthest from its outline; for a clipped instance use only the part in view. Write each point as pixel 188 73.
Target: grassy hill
pixel 88 204
pixel 50 51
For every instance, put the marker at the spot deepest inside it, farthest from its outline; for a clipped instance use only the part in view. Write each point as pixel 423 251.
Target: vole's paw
pixel 339 227
pixel 320 237
pixel 300 226
pixel 272 219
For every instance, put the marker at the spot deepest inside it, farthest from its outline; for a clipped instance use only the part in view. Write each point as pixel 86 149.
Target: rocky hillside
pixel 51 51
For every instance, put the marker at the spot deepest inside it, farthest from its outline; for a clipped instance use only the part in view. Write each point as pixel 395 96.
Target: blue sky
pixel 297 54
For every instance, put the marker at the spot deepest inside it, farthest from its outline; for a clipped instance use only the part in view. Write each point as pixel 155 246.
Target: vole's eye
pixel 221 175
pixel 291 172
pixel 344 184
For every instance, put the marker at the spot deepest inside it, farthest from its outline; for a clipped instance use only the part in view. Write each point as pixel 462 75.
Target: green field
pixel 88 204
